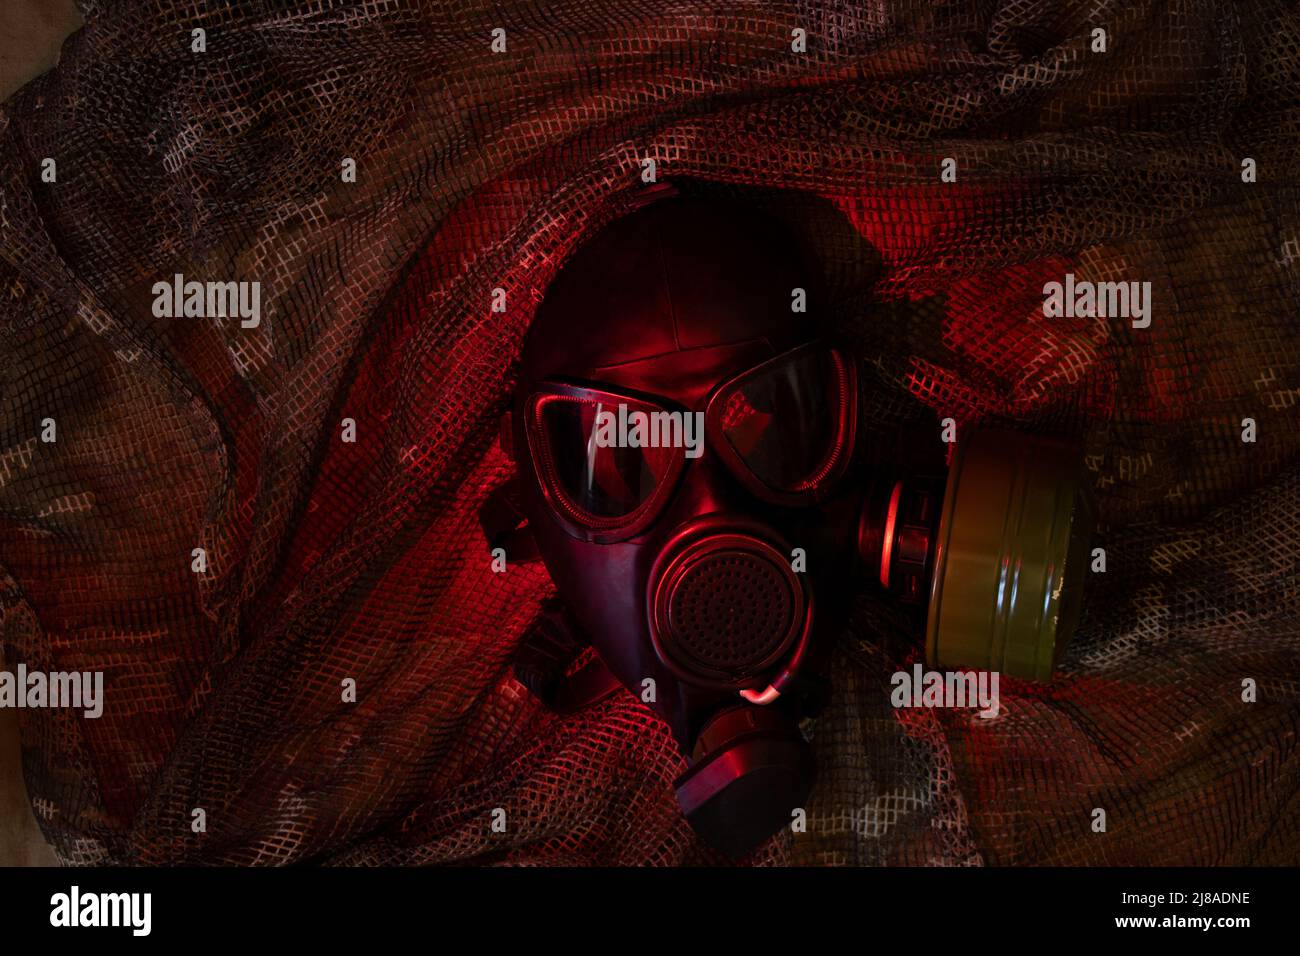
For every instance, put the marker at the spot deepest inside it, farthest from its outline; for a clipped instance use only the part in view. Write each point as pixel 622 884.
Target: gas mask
pixel 689 473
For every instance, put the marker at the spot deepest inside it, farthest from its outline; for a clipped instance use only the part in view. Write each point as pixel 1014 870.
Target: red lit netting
pixel 479 170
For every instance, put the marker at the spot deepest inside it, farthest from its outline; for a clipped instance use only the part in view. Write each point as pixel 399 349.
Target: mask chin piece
pixel 750 770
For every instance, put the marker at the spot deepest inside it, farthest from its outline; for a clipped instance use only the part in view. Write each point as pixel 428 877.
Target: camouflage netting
pixel 479 170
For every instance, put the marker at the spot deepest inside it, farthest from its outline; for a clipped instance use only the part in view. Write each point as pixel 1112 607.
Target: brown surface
pixel 31 32
pixel 21 843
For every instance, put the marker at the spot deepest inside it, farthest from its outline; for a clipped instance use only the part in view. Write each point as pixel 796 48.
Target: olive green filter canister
pixel 1013 545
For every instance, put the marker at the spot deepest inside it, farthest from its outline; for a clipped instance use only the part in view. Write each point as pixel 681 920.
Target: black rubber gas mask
pixel 688 472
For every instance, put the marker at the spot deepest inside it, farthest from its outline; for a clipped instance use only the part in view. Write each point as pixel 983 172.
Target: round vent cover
pixel 724 609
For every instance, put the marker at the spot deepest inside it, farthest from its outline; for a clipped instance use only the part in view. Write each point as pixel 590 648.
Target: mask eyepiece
pixel 786 428
pixel 599 491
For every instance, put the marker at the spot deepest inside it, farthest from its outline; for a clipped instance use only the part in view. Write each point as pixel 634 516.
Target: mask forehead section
pixel 678 276
pixel 686 378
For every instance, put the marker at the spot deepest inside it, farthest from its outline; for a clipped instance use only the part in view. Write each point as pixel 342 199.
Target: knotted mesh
pixel 479 171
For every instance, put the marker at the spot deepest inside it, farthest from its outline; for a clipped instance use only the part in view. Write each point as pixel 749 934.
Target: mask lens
pixel 599 483
pixel 787 421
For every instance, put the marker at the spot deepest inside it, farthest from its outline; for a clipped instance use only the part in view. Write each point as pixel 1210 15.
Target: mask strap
pixel 545 659
pixel 546 653
pixel 589 684
pixel 504 525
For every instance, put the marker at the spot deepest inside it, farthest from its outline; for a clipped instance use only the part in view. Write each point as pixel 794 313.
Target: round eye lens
pixel 787 421
pixel 598 485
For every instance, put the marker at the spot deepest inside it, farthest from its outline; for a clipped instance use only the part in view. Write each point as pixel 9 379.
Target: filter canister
pixel 1011 555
